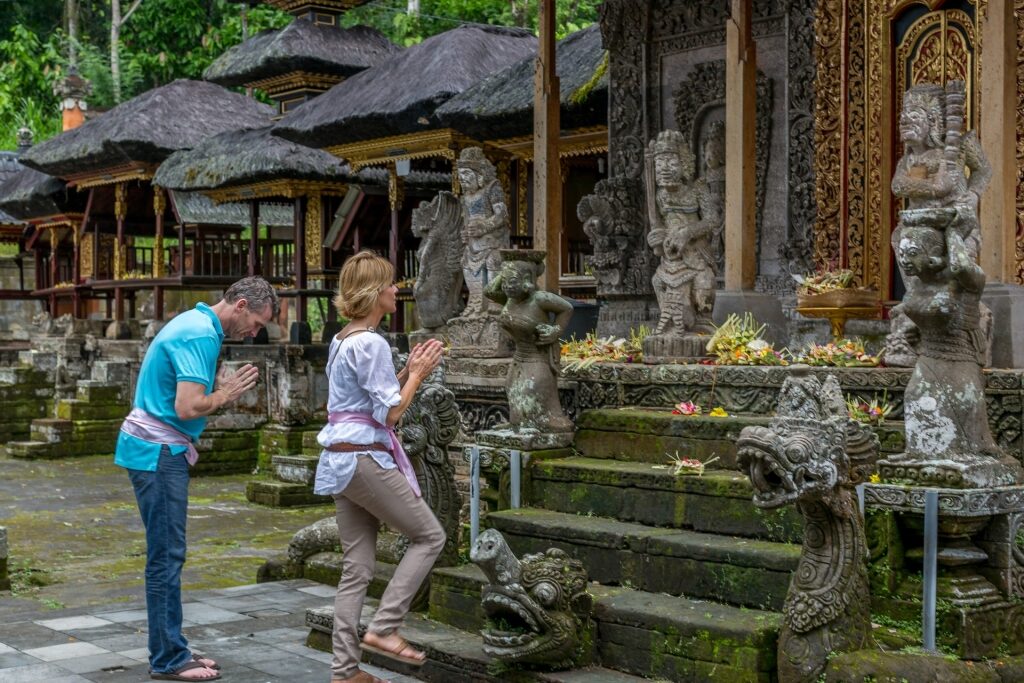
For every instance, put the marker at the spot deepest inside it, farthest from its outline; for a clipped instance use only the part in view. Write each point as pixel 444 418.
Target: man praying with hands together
pixel 178 387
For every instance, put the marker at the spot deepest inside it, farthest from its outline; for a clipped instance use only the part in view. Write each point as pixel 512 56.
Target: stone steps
pixel 282 494
pixel 717 502
pixel 455 656
pixel 738 571
pixel 650 436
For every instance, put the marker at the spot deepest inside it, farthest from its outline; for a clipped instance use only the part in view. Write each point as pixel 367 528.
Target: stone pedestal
pixel 665 348
pixel 618 316
pixel 420 336
pixel 496 447
pixel 1007 305
pixel 980 581
pixel 478 338
pixel 766 309
pixel 966 471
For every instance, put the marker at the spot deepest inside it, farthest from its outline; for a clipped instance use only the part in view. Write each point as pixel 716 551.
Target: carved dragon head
pixel 537 607
pixel 810 449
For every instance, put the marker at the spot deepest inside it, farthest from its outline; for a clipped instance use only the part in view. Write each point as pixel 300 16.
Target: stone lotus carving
pixel 543 598
pixel 438 288
pixel 532 381
pixel 813 455
pixel 931 175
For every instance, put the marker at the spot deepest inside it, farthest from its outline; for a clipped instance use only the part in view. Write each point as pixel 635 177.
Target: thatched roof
pixel 501 105
pixel 400 95
pixel 195 208
pixel 148 128
pixel 301 46
pixel 30 194
pixel 242 157
pixel 9 166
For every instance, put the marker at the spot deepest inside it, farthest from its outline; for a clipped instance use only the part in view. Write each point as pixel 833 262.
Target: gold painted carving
pixel 856 153
pixel 85 255
pixel 444 144
pixel 1018 13
pixel 110 176
pixel 576 143
pixel 278 86
pixel 522 206
pixel 159 206
pixel 120 201
pixel 937 48
pixel 504 170
pixel 314 235
pixel 289 189
pixel 829 160
pixel 396 189
pixel 326 5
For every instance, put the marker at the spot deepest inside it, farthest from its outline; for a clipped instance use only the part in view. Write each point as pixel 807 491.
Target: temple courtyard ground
pixel 76 611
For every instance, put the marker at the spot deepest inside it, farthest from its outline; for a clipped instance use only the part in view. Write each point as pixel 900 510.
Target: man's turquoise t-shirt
pixel 185 350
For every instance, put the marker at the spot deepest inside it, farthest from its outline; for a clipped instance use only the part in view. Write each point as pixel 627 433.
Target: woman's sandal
pixel 176 675
pixel 206 661
pixel 398 652
pixel 360 677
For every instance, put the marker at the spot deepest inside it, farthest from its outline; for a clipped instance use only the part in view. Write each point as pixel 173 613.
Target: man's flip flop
pixel 203 660
pixel 403 646
pixel 176 674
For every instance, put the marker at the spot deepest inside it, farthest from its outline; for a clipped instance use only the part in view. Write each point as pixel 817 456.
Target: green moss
pixel 583 92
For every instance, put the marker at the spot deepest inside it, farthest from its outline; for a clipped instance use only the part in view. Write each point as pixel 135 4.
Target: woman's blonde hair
pixel 362 279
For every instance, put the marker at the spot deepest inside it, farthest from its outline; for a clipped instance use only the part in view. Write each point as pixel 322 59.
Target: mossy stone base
pixel 281 494
pixel 896 667
pixel 277 439
pixel 227 451
pixel 326 567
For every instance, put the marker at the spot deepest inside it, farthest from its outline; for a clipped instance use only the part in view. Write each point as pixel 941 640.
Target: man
pixel 177 388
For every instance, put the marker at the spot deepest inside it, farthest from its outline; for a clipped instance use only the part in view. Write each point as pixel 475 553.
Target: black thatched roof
pixel 9 166
pixel 501 106
pixel 30 194
pixel 148 128
pixel 195 208
pixel 301 46
pixel 400 95
pixel 242 157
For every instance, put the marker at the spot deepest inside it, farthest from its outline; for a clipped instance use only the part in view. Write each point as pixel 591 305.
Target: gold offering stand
pixel 840 305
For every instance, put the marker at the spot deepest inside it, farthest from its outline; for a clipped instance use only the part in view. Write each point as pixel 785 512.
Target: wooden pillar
pixel 53 271
pixel 547 187
pixel 159 266
pixel 120 212
pixel 396 195
pixel 997 125
pixel 254 237
pixel 300 258
pixel 740 123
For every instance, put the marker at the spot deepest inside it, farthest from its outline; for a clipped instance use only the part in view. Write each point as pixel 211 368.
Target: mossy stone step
pixel 52 430
pixel 325 568
pixel 647 435
pixel 280 494
pixel 455 656
pixel 719 501
pixel 31 450
pixel 738 571
pixel 78 410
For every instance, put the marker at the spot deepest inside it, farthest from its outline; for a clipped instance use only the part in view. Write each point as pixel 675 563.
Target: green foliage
pixel 27 75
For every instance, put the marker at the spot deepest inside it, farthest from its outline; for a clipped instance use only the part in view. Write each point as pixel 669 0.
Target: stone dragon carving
pixel 540 601
pixel 812 454
pixel 438 288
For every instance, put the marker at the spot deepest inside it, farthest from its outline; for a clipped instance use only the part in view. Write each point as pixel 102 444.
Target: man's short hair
pixel 257 292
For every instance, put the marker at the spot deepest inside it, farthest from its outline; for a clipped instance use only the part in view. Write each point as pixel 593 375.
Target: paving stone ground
pixel 256 632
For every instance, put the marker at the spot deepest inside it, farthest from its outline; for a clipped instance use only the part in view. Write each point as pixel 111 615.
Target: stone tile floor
pixel 256 632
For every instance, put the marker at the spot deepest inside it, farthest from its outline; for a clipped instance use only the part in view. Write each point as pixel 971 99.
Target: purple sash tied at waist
pixel 142 425
pixel 401 459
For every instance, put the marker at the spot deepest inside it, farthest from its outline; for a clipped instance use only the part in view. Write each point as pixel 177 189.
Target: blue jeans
pixel 163 502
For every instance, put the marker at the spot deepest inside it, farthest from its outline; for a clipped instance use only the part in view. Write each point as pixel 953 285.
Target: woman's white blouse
pixel 360 379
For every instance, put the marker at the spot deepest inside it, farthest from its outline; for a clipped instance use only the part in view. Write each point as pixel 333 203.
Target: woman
pixel 364 468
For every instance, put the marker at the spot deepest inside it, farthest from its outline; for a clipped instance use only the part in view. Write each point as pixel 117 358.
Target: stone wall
pixel 16 316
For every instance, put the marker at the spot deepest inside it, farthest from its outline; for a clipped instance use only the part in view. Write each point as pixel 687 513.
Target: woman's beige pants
pixel 373 496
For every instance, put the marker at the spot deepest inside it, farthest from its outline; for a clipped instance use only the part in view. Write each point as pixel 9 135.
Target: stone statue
pixel 485 226
pixel 438 288
pixel 812 454
pixel 532 382
pixel 609 248
pixel 948 438
pixel 931 174
pixel 549 588
pixel 683 217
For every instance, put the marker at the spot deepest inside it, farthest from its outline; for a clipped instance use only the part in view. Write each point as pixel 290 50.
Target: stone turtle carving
pixel 537 607
pixel 812 454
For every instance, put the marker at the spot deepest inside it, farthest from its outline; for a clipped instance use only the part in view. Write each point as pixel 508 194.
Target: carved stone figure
pixel 931 174
pixel 948 438
pixel 812 454
pixel 542 598
pixel 714 179
pixel 606 263
pixel 438 288
pixel 683 217
pixel 526 315
pixel 485 226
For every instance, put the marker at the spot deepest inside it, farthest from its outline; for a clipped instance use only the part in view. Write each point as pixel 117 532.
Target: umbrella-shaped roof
pixel 242 157
pixel 400 95
pixel 301 46
pixel 501 105
pixel 9 166
pixel 196 208
pixel 148 128
pixel 30 194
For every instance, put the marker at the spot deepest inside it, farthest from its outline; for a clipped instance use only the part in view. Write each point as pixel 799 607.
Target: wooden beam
pixel 998 128
pixel 740 123
pixel 547 181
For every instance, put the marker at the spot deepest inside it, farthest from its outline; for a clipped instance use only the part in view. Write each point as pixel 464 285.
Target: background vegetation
pixel 162 40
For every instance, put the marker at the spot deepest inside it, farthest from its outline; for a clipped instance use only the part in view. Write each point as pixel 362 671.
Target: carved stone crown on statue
pixel 473 158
